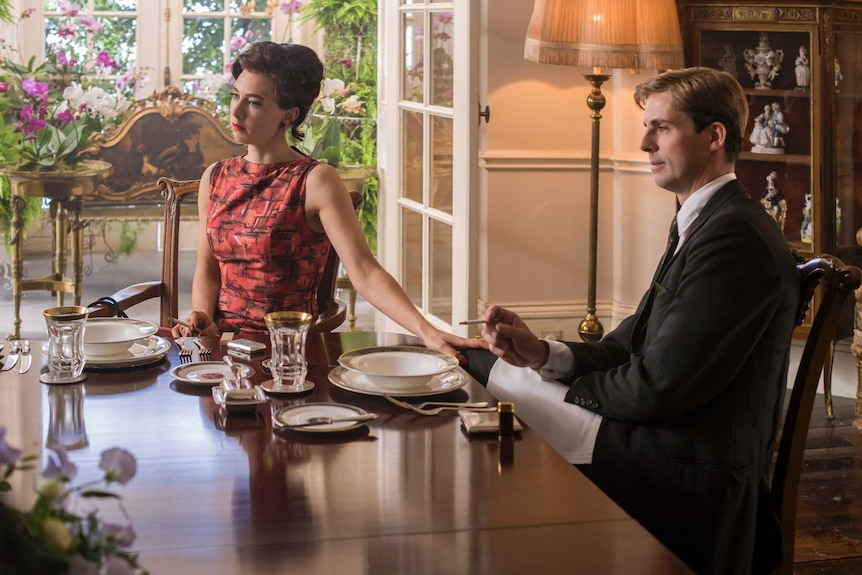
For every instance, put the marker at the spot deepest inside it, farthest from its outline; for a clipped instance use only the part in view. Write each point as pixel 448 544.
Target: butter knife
pixel 12 358
pixel 328 421
pixel 26 358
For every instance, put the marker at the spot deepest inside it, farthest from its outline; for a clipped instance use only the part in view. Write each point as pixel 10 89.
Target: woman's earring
pixel 282 125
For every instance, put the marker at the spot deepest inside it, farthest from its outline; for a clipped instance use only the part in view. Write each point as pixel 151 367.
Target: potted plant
pixel 51 110
pixel 343 127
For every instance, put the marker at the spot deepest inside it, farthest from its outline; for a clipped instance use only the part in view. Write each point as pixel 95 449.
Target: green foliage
pixel 350 54
pixel 6 7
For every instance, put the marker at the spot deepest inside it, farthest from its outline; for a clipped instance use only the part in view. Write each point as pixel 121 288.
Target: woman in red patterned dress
pixel 271 214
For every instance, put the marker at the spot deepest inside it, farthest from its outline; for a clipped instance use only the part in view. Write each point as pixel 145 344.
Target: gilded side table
pixel 65 191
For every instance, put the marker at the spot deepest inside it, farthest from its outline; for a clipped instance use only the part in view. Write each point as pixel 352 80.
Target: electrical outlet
pixel 555 334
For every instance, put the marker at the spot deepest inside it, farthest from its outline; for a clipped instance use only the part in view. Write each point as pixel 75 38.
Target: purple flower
pixel 90 24
pixel 32 122
pixel 237 42
pixel 68 9
pixel 65 117
pixel 290 7
pixel 34 88
pixel 8 455
pixel 124 535
pixel 119 465
pixel 4 87
pixel 66 30
pixel 59 466
pixel 104 60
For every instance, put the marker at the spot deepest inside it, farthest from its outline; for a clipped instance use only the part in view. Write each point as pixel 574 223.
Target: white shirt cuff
pixel 560 362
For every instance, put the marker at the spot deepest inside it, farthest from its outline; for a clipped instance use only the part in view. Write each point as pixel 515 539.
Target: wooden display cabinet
pixel 820 172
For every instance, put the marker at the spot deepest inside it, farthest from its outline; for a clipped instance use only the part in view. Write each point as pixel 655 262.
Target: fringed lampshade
pixel 637 34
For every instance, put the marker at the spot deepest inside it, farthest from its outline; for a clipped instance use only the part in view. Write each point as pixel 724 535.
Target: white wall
pixel 536 183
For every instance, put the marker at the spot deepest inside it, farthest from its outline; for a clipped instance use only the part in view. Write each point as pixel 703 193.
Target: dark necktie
pixel 672 243
pixel 640 322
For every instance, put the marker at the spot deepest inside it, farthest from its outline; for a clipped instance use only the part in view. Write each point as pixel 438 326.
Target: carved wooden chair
pixel 332 312
pixel 836 282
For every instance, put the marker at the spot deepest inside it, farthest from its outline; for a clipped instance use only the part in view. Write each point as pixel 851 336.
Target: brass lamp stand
pixel 590 329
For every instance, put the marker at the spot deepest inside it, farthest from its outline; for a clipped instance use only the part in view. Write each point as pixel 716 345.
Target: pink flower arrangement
pixel 53 109
pixel 51 537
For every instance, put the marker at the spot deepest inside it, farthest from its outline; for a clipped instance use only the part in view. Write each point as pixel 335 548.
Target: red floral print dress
pixel 270 260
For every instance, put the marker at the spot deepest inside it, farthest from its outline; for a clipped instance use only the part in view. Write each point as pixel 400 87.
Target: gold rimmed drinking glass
pixel 288 331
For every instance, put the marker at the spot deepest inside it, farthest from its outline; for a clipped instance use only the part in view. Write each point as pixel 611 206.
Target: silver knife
pixel 26 358
pixel 12 359
pixel 328 421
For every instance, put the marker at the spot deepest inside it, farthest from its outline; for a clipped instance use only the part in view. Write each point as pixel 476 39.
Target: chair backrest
pixel 836 282
pixel 174 193
pixel 166 288
pixel 332 312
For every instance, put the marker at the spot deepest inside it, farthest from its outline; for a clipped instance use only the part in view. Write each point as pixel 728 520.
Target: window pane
pixel 411 256
pixel 117 38
pixel 413 58
pixel 116 5
pixel 249 30
pixel 441 271
pixel 203 6
pixel 412 155
pixel 441 167
pixel 442 63
pixel 203 46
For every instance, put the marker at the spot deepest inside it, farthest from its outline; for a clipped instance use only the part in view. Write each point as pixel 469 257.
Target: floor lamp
pixel 635 34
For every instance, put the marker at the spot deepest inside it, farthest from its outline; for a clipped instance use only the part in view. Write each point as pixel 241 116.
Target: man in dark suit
pixel 690 387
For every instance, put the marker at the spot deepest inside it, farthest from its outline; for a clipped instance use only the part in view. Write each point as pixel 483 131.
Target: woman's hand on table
pixel 203 326
pixel 449 343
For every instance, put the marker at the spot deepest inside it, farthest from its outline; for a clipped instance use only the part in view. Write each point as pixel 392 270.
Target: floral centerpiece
pixel 52 537
pixel 51 110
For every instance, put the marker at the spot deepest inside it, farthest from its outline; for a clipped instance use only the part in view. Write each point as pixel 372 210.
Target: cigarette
pixel 472 321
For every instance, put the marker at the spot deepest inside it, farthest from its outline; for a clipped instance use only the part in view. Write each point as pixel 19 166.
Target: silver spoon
pixel 235 371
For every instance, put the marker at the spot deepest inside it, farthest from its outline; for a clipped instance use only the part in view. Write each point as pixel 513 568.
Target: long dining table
pixel 405 494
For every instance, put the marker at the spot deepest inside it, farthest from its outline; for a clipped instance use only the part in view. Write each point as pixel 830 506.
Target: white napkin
pixel 540 402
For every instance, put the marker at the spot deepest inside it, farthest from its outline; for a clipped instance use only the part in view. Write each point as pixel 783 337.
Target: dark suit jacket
pixel 691 387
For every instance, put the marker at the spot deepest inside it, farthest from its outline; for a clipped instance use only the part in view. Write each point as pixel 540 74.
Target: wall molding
pixel 559 160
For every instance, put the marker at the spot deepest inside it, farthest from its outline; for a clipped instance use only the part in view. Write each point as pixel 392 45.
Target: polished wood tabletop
pixel 407 493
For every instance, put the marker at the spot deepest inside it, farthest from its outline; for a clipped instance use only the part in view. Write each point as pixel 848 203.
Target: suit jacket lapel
pixel 721 197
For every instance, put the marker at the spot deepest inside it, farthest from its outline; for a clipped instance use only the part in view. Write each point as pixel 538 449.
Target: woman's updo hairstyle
pixel 295 71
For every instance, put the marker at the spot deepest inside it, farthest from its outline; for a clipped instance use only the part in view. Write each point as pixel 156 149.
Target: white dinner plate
pixel 151 350
pixel 296 414
pixel 380 360
pixel 209 372
pixel 133 329
pixel 355 381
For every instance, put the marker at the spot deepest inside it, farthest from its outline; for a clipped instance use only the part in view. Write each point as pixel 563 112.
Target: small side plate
pixel 296 414
pixel 208 372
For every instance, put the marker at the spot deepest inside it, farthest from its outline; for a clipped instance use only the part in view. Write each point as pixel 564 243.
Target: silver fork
pixel 437 410
pixel 203 350
pixel 185 352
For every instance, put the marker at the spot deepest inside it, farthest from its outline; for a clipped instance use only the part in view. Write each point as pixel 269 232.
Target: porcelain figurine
pixel 727 62
pixel 774 202
pixel 767 136
pixel 763 63
pixel 803 70
pixel 805 232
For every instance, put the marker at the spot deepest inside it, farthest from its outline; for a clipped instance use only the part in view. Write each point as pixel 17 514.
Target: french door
pixel 427 137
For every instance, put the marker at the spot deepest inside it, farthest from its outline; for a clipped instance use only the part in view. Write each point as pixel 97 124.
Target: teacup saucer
pixel 49 379
pixel 271 387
